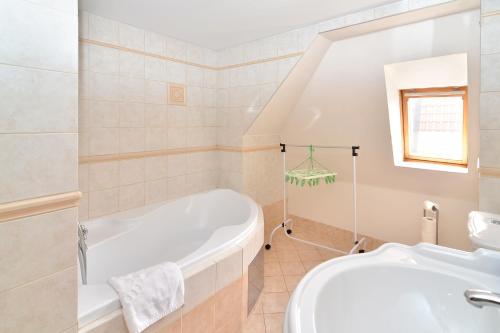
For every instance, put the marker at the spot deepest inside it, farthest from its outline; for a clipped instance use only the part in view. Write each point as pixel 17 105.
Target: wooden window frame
pixel 433 92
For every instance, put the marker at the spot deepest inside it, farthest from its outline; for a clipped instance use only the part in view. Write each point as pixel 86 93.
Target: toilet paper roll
pixel 428 230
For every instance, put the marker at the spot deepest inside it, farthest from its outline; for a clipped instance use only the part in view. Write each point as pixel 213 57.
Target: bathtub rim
pixel 107 298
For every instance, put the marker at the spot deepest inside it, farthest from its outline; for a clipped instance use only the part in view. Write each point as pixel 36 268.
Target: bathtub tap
pixel 82 251
pixel 480 298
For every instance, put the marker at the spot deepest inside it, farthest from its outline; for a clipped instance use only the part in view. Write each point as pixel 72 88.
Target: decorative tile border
pixel 30 207
pixel 489 172
pixel 217 68
pixel 174 151
pixel 493 13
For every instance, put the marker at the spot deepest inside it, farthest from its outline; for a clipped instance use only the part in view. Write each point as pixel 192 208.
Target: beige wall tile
pixel 73 329
pixel 131 115
pixel 176 187
pixel 155 43
pixel 131 37
pixel 489 6
pixel 131 89
pixel 156 167
pixel 156 191
pixel 155 92
pixel 200 319
pixel 177 165
pixel 176 49
pixel 490 149
pixel 229 268
pixel 103 141
pixel 103 114
pixel 172 323
pixel 490 34
pixel 132 65
pixel 489 195
pixel 155 115
pixel 35 165
pixel 199 287
pixel 37 246
pixel 132 171
pixel 228 302
pixel 45 305
pixel 132 140
pixel 34 100
pixel 106 87
pixel 156 139
pixel 33 42
pixel 104 60
pixel 104 175
pixel 103 30
pixel 132 196
pixel 490 72
pixel 103 202
pixel 155 69
pixel 83 208
pixel 490 117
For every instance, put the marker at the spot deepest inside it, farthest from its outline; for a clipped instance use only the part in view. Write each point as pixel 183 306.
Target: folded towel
pixel 149 294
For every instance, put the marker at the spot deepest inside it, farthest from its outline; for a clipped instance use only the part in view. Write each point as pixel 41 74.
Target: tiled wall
pixel 123 109
pixel 38 157
pixel 489 193
pixel 243 92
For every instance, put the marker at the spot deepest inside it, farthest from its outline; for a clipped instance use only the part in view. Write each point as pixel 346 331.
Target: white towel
pixel 149 294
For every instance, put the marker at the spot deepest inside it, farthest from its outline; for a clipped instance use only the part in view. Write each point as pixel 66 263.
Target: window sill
pixel 433 166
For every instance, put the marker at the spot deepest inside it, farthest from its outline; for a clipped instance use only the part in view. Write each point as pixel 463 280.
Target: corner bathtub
pixel 190 231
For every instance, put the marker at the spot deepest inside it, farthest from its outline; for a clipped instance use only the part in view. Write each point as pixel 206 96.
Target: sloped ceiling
pixel 223 23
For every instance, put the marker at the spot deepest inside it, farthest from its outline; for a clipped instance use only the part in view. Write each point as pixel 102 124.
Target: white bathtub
pixel 190 231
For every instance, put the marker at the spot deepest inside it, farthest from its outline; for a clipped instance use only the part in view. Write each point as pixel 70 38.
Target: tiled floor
pixel 285 265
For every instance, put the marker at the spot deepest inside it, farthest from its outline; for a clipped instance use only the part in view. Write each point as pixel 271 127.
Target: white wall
pixel 345 103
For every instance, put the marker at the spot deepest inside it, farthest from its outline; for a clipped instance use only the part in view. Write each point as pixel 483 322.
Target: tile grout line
pixel 25 284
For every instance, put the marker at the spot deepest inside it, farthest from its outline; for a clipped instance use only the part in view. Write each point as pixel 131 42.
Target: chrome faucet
pixel 82 251
pixel 480 298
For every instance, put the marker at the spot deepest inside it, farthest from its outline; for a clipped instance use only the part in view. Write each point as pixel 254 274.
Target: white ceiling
pixel 218 24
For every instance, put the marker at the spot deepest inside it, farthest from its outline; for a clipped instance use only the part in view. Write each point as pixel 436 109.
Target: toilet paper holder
pixel 431 209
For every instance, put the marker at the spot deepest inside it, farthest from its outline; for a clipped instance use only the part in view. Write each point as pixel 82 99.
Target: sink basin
pixel 484 230
pixel 397 288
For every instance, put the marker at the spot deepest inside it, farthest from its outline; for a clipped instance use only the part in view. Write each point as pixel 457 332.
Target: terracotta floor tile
pixel 270 256
pixel 308 265
pixel 308 255
pixel 288 256
pixel 272 269
pixel 274 322
pixel 291 281
pixel 292 268
pixel 254 324
pixel 257 308
pixel 274 284
pixel 274 302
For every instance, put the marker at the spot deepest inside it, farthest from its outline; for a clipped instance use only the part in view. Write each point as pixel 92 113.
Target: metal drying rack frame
pixel 287 223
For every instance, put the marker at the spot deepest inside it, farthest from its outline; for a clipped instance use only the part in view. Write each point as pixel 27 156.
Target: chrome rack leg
pixel 357 245
pixel 281 225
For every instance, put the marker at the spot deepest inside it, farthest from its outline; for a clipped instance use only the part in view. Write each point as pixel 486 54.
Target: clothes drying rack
pixel 287 223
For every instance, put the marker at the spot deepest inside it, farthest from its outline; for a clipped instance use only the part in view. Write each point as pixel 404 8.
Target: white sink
pixel 397 288
pixel 484 230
